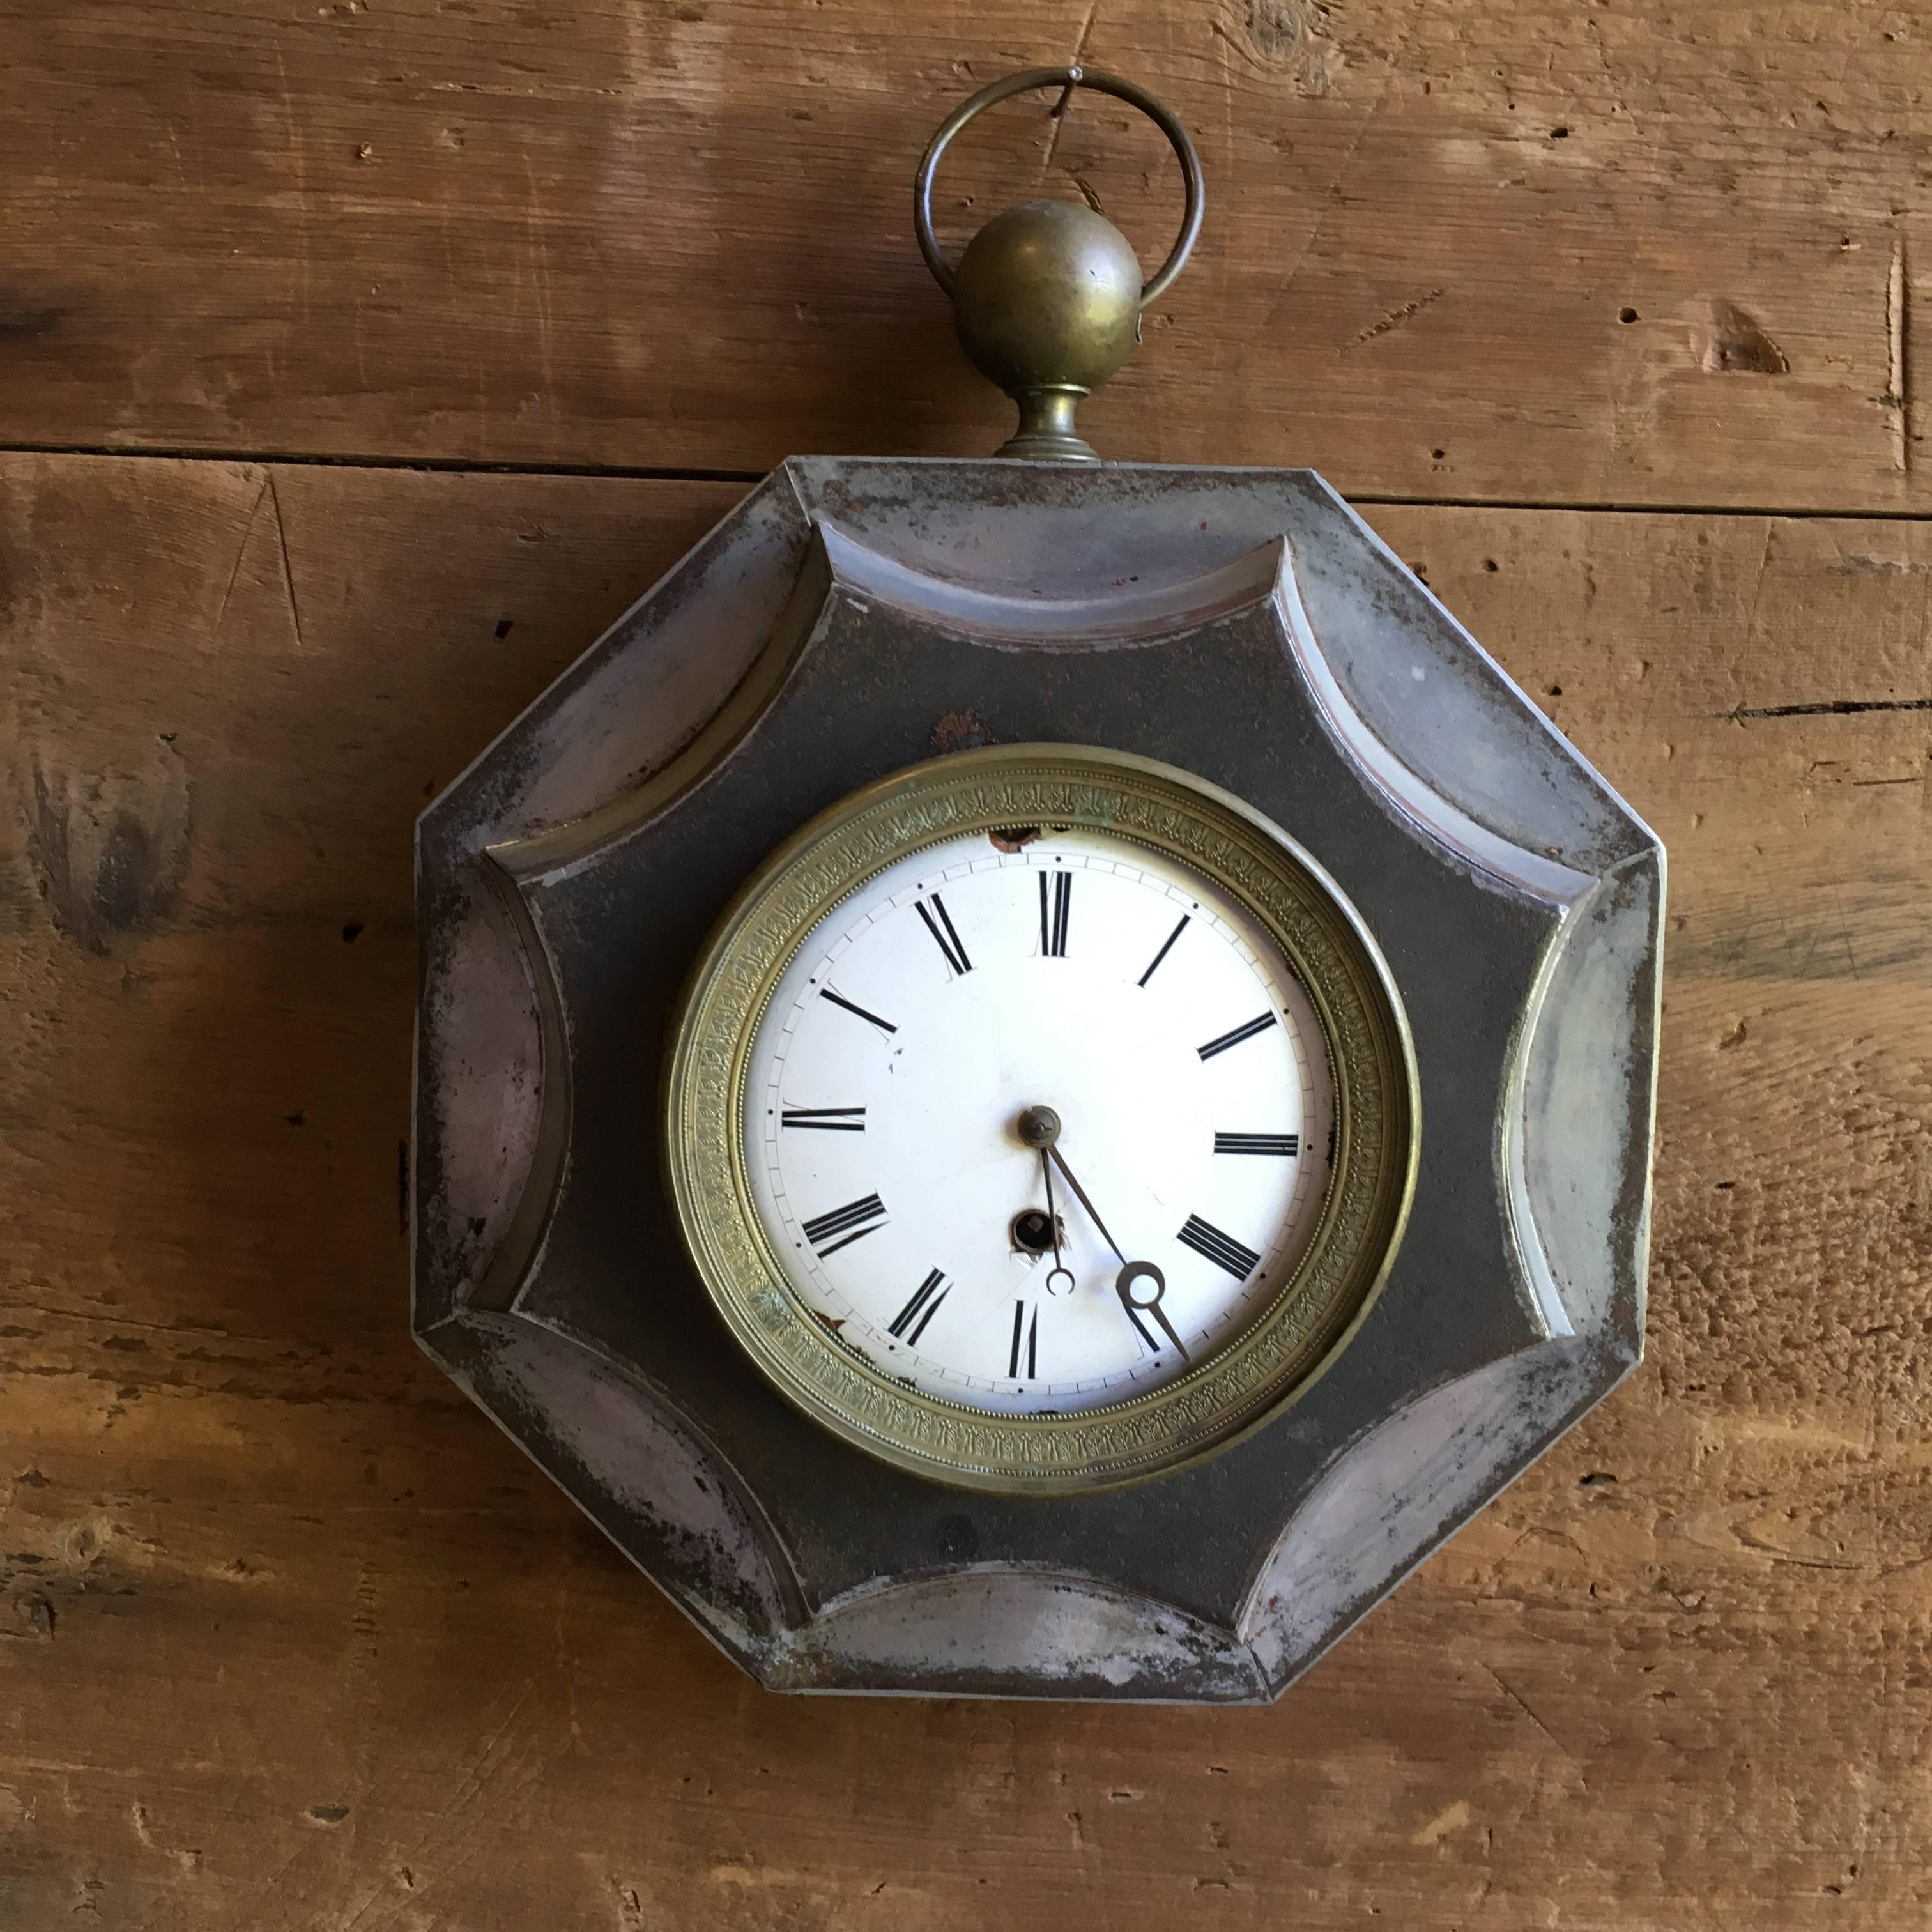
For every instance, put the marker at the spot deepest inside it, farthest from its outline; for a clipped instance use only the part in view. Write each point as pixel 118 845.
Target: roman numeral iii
pixel 1223 1250
pixel 921 1309
pixel 1235 1037
pixel 939 923
pixel 830 1119
pixel 1275 1143
pixel 830 1232
pixel 1059 890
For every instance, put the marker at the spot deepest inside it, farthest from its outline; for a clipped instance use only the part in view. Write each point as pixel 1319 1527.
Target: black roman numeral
pixel 1026 1344
pixel 1053 922
pixel 1223 1250
pixel 1235 1038
pixel 1164 950
pixel 840 999
pixel 943 936
pixel 842 1226
pixel 831 1120
pixel 921 1309
pixel 1280 1144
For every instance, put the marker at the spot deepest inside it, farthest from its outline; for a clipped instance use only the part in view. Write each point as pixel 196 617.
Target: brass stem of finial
pixel 1046 434
pixel 1048 297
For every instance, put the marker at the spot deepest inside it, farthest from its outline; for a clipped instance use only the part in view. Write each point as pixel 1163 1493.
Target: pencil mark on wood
pixel 1517 1698
pixel 288 569
pixel 241 550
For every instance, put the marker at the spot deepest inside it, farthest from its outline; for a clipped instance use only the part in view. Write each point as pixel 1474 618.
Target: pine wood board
pixel 1507 250
pixel 291 1637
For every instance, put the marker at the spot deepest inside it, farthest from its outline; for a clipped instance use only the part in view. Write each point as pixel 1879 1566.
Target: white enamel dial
pixel 1080 973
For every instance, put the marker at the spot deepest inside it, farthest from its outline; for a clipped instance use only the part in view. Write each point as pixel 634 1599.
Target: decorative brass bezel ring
pixel 1318 1310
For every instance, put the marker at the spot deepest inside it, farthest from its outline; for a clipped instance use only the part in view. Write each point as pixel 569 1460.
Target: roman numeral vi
pixel 1053 918
pixel 1025 1332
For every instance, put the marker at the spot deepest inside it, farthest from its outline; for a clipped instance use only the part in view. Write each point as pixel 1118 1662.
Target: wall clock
pixel 1035 1075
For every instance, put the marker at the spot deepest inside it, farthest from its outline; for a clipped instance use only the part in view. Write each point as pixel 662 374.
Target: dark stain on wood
pixel 106 869
pixel 1732 340
pixel 24 320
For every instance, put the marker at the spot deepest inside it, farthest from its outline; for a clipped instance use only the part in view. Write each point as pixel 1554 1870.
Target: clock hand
pixel 1130 1271
pixel 1040 1126
pixel 1059 1160
pixel 1060 1267
pixel 1135 1271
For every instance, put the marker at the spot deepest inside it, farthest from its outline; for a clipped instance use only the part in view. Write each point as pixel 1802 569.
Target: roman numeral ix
pixel 842 1226
pixel 831 1120
pixel 1276 1143
pixel 921 1309
pixel 939 923
pixel 1053 922
pixel 1223 1250
pixel 1235 1038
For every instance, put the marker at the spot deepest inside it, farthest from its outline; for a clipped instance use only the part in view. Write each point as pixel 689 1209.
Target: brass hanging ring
pixel 1067 78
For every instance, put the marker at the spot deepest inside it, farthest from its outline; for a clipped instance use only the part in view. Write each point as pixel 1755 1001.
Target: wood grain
pixel 1509 249
pixel 290 1637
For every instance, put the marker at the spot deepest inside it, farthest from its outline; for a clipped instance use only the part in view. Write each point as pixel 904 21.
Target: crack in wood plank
pixel 1896 396
pixel 1832 707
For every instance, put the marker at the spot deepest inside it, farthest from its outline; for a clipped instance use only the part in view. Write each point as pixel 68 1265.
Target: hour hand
pixel 1129 1278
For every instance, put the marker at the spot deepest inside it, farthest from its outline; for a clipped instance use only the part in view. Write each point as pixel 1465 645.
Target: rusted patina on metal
pixel 851 617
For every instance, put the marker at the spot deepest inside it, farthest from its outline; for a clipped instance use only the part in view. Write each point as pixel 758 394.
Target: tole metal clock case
pixel 851 620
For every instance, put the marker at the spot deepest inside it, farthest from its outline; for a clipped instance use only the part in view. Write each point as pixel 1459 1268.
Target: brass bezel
pixel 1318 1310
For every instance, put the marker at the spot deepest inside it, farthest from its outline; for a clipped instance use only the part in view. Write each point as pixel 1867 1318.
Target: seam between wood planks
pixel 651 473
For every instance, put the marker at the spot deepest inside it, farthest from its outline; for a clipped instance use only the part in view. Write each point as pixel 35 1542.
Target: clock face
pixel 1041 1119
pixel 918 1049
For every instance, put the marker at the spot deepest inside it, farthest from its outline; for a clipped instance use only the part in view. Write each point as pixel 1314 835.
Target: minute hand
pixel 1130 1270
pixel 1080 1194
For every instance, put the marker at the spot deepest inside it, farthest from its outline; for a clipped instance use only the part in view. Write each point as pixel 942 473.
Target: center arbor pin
pixel 1035 1075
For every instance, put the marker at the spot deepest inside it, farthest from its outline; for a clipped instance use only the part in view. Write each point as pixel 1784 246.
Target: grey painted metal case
pixel 854 616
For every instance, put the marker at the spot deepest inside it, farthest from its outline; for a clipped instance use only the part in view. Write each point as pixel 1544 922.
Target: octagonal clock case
pixel 1035 1075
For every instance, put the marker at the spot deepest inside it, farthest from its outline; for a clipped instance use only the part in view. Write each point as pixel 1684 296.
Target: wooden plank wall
pixel 289 1637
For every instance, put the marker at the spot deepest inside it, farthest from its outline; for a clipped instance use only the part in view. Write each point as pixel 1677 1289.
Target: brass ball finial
pixel 1047 296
